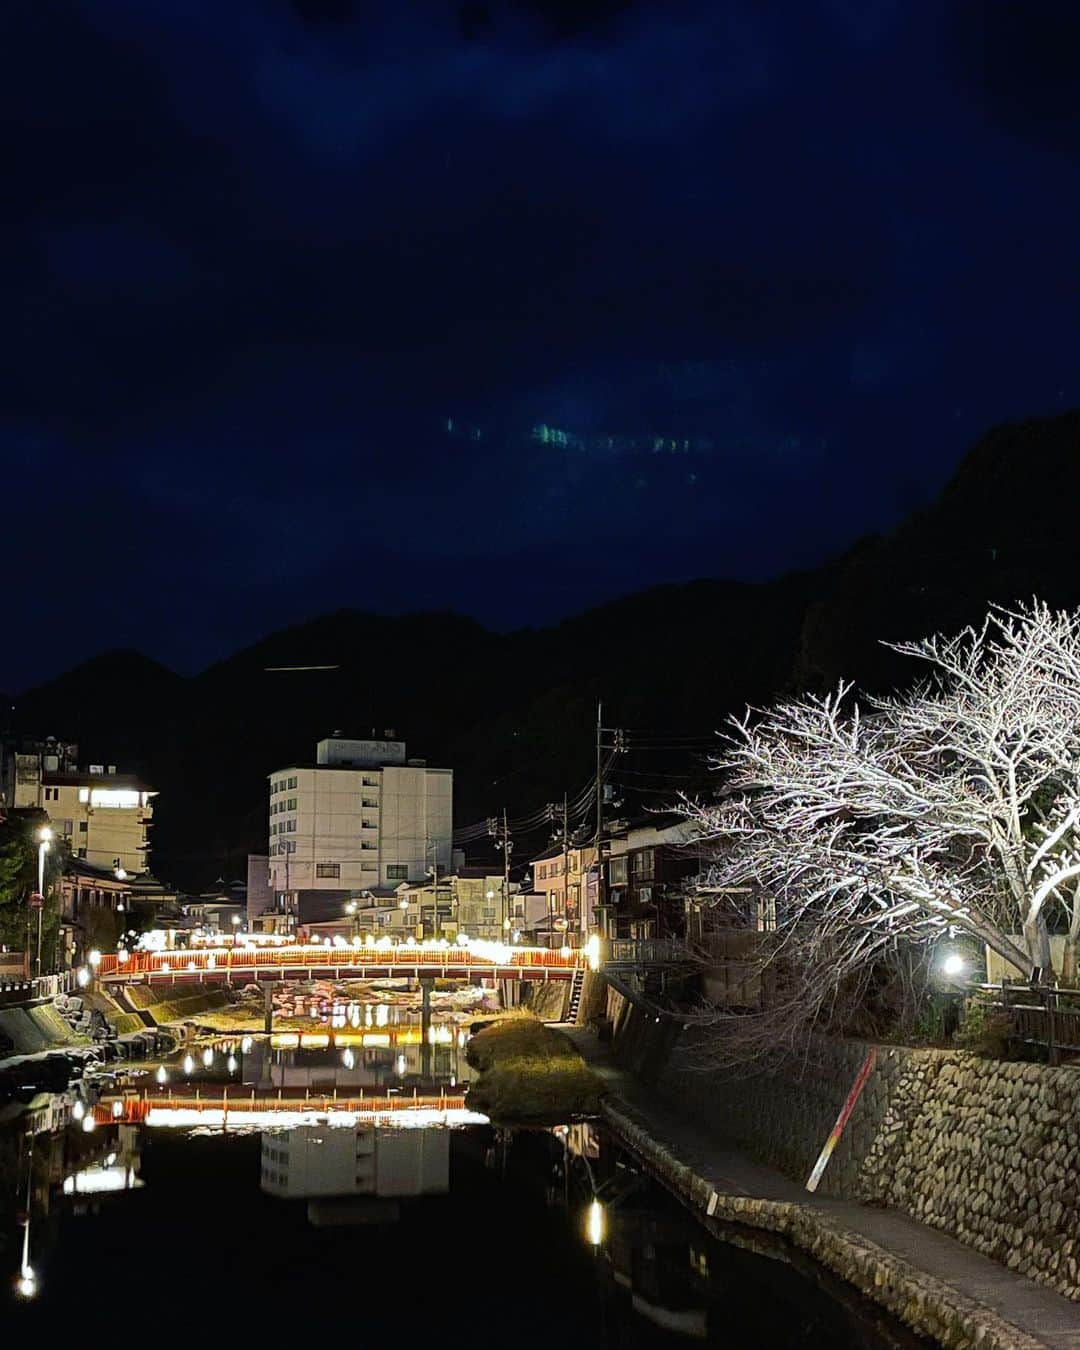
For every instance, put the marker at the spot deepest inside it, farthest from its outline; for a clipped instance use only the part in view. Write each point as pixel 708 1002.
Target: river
pixel 372 1227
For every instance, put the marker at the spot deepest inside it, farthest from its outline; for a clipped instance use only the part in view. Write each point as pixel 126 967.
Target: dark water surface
pixel 450 1236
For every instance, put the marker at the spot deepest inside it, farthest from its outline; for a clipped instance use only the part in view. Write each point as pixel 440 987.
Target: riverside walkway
pixel 937 1285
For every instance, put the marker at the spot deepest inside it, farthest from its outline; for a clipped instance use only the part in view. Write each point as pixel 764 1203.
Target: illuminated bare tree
pixel 953 808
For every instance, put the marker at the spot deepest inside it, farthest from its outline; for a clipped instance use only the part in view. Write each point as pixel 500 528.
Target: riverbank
pixel 934 1284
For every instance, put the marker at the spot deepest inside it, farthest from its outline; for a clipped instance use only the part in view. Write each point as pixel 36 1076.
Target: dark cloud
pixel 258 257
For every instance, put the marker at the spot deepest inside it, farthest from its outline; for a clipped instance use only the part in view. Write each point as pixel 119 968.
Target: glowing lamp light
pixel 161 1075
pixel 208 1057
pixel 592 951
pixel 189 1064
pixel 165 968
pixel 348 1059
pixel 26 1284
pixel 230 1064
pixel 402 1065
pixel 595 1223
pixel 117 1110
pixel 211 962
pixel 246 1044
pixel 82 977
pixel 89 1123
pixel 94 957
pixel 564 951
pixel 78 1110
pixel 191 965
pixel 121 955
pixel 953 965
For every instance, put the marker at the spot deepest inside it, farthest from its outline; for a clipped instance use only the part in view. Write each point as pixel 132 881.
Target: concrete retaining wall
pixel 988 1152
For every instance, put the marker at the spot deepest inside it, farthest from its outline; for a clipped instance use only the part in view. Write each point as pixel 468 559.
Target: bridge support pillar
pixel 268 1008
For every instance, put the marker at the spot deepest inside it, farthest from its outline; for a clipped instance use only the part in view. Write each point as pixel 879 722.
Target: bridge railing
pixel 40 987
pixel 245 958
pixel 645 952
pixel 133 1108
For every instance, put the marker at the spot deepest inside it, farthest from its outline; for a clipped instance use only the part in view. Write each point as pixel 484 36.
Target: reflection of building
pixel 354 825
pixel 316 1161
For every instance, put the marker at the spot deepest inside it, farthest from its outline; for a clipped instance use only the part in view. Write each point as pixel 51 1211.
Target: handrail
pixel 134 1109
pixel 223 960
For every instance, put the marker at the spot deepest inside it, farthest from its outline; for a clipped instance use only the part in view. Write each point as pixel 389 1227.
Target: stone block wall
pixel 986 1151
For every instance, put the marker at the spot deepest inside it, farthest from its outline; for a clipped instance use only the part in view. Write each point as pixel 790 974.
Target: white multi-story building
pixel 355 825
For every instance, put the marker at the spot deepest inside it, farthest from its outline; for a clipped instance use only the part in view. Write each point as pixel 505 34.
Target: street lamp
pixel 44 843
pixel 351 908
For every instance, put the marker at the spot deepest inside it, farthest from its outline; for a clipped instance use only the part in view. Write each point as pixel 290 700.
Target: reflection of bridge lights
pixel 246 1044
pixel 348 1059
pixel 382 1015
pixel 189 1064
pixel 594 1223
pixel 230 1064
pixel 208 1057
pixel 161 1075
pixel 26 1284
pixel 402 1065
pixel 78 1109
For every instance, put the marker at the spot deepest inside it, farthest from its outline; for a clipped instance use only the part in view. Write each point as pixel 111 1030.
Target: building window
pixel 292 782
pixel 52 794
pixel 541 872
pixel 328 869
pixel 369 782
pixel 617 871
pixel 291 804
pixel 82 853
pixel 369 803
pixel 644 895
pixel 397 872
pixel 369 825
pixel 83 827
pixel 66 828
pixel 643 863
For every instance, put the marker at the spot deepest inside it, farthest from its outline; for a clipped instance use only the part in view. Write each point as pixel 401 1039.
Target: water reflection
pixel 355 1176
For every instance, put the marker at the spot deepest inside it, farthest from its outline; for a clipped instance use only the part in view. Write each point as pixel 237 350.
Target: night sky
pixel 504 307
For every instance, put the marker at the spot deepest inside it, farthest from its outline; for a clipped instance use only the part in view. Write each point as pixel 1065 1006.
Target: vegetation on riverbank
pixel 179 1008
pixel 530 1073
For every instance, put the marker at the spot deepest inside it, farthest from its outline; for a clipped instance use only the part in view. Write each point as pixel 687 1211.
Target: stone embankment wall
pixel 989 1152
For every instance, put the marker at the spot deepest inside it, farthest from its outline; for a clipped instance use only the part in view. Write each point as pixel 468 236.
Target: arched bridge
pixel 231 964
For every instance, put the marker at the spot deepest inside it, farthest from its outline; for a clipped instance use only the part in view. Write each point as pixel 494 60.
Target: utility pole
pixel 501 835
pixel 508 848
pixel 554 811
pixel 600 890
pixel 616 746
